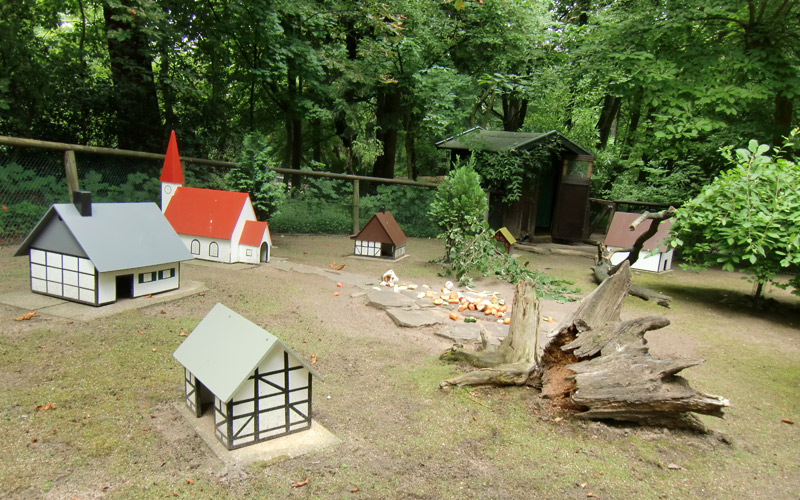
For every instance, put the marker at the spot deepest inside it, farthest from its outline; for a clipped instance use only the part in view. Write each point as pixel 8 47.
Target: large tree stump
pixel 610 372
pixel 517 356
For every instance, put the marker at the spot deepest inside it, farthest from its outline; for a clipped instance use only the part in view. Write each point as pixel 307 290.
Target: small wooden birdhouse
pixel 380 237
pixel 655 255
pixel 258 388
pixel 504 236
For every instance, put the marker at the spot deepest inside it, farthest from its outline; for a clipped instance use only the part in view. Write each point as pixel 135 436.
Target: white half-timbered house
pixel 257 388
pixel 380 237
pixel 96 253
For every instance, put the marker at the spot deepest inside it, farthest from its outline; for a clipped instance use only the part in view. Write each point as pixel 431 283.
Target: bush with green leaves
pixel 747 219
pixel 459 206
pixel 253 175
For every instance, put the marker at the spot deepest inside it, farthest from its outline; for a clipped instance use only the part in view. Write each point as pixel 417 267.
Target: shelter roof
pixel 382 227
pixel 478 138
pixel 620 235
pixel 205 212
pixel 115 236
pixel 225 348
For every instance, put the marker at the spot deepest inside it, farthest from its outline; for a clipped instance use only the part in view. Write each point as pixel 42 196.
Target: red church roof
pixel 205 212
pixel 171 171
pixel 253 233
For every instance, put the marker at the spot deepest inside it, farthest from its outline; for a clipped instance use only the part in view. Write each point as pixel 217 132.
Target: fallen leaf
pixel 154 349
pixel 149 296
pixel 189 481
pixel 557 419
pixel 41 346
pixel 202 294
pixel 674 467
pixel 787 421
pixel 301 483
pixel 163 312
pixel 140 332
pixel 313 359
pixel 183 334
pixel 354 490
pixel 49 406
pixel 28 315
pixel 591 495
pixel 474 418
pixel 70 322
pixel 5 208
pixel 584 485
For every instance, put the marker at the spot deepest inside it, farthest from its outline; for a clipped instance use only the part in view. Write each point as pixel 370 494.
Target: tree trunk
pixel 514 111
pixel 517 356
pixel 388 121
pixel 138 121
pixel 594 364
pixel 608 115
pixel 783 119
pixel 411 151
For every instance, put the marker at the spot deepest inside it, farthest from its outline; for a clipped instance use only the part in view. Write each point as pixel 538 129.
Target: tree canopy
pixel 654 88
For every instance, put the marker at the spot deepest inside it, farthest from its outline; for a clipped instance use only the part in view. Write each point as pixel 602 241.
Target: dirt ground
pixel 114 432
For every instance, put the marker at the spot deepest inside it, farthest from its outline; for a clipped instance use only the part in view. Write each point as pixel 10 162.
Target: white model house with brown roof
pixel 96 253
pixel 655 256
pixel 214 225
pixel 380 237
pixel 258 388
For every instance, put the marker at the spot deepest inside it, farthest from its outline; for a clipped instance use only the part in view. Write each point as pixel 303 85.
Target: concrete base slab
pixel 388 260
pixel 236 266
pixel 388 299
pixel 461 332
pixel 415 319
pixel 44 304
pixel 283 448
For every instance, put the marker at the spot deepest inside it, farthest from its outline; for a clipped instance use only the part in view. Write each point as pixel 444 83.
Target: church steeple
pixel 171 172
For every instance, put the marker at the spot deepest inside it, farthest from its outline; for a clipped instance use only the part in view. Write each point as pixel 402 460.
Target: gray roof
pixel 225 348
pixel 478 138
pixel 116 236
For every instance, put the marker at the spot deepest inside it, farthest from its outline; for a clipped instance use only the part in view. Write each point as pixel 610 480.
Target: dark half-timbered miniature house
pixel 256 387
pixel 380 237
pixel 96 253
pixel 556 203
pixel 655 256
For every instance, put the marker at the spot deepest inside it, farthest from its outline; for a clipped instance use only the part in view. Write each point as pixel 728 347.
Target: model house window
pixel 166 274
pixel 195 247
pixel 147 277
pixel 213 249
pixel 249 252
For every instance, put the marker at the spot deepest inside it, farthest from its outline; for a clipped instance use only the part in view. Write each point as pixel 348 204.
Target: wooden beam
pixel 356 215
pixel 71 171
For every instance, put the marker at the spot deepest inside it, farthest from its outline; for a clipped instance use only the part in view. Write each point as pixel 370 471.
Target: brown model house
pixel 380 237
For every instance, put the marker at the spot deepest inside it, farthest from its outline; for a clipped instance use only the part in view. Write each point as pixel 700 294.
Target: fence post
pixel 71 170
pixel 356 215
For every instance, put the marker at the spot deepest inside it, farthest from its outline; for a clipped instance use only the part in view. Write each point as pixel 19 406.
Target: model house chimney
pixel 83 202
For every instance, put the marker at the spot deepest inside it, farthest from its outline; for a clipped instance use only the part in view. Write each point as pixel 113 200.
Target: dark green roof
pixel 478 138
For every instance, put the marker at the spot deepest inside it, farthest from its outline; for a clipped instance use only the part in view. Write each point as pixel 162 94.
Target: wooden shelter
pixel 557 204
pixel 259 389
pixel 380 237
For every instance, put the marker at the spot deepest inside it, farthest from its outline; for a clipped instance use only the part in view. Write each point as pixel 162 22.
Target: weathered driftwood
pixel 594 364
pixel 516 358
pixel 611 374
pixel 603 267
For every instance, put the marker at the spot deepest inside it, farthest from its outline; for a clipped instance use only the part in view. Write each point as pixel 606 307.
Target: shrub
pixel 252 175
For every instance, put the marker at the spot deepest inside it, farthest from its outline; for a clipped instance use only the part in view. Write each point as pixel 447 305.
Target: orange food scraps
pixel 471 307
pixel 498 314
pixel 437 302
pixel 452 301
pixel 453 316
pixel 507 321
pixel 462 308
pixel 340 285
pixel 488 312
pixel 503 308
pixel 335 294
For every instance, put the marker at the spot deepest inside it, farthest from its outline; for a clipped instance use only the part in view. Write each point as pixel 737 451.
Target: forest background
pixel 653 88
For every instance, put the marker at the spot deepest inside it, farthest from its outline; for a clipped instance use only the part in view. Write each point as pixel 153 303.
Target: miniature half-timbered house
pixel 655 256
pixel 505 238
pixel 96 253
pixel 556 203
pixel 380 237
pixel 257 388
pixel 214 225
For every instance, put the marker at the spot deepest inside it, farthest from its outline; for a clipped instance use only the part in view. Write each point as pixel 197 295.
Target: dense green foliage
pixel 470 248
pixel 368 87
pixel 748 218
pixel 253 175
pixel 459 206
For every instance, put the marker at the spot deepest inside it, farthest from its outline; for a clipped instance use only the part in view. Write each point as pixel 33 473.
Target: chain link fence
pixel 33 178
